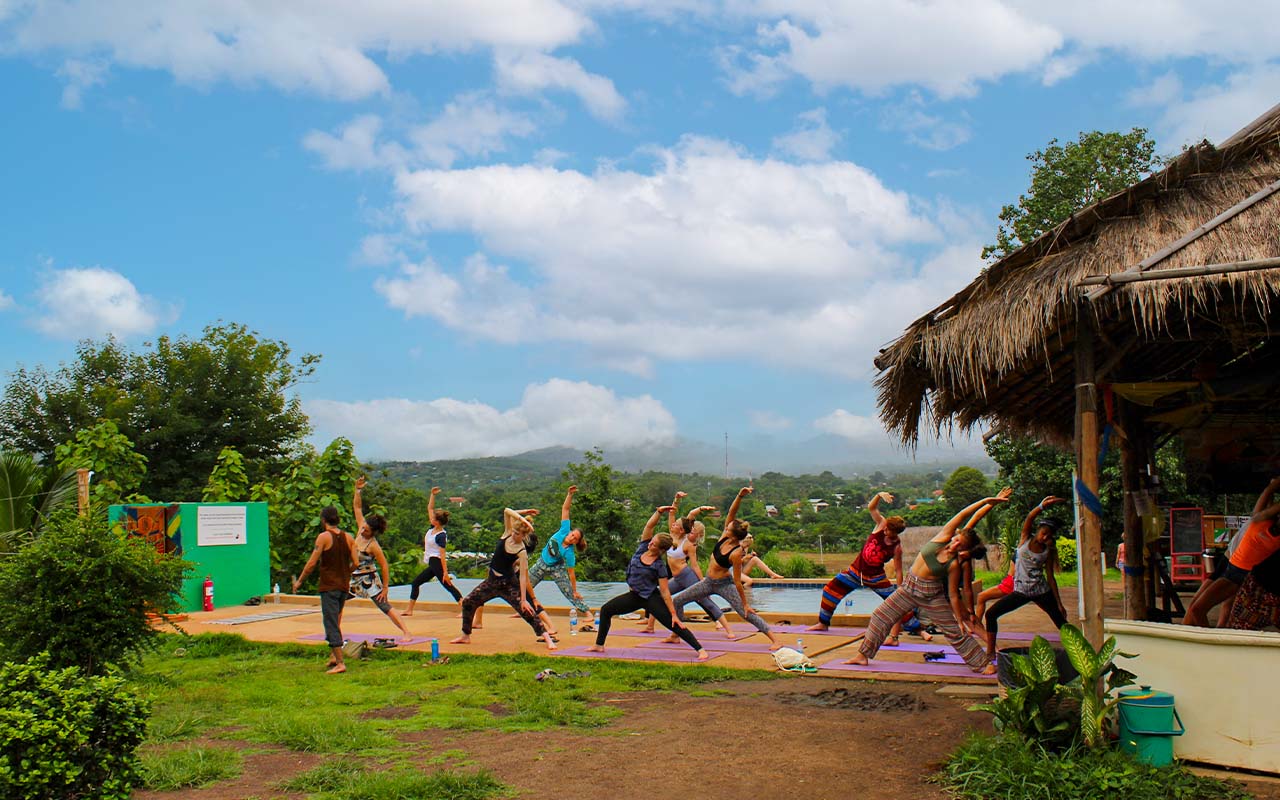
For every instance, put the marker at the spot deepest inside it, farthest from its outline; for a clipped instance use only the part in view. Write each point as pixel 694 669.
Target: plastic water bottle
pixel 595 623
pixel 848 603
pixel 435 649
pixel 573 621
pixel 275 590
pixel 799 645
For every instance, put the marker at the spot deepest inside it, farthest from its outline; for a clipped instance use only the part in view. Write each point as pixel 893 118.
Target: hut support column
pixel 1087 473
pixel 1132 458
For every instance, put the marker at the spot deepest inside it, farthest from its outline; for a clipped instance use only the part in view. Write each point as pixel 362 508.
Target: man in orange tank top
pixel 1260 541
pixel 335 553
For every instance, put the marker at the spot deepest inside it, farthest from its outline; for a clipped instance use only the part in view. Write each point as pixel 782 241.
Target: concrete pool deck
pixel 502 634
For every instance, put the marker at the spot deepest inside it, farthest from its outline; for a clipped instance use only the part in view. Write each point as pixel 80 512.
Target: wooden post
pixel 82 490
pixel 1132 457
pixel 1087 473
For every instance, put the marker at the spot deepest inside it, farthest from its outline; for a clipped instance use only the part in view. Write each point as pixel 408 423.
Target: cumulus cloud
pixel 532 72
pixel 812 140
pixel 6 301
pixel 77 303
pixel 1212 112
pixel 80 76
pixel 923 129
pixel 555 413
pixel 854 427
pixel 769 257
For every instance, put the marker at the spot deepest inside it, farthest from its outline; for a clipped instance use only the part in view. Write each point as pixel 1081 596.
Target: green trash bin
pixel 1148 723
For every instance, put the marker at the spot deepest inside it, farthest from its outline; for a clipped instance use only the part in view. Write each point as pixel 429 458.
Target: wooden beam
pixel 1131 460
pixel 1160 255
pixel 1207 270
pixel 82 490
pixel 1087 473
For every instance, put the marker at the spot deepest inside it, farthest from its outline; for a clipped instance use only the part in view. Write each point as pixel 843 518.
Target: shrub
pixel 64 734
pixel 82 594
pixel 801 567
pixel 1067 559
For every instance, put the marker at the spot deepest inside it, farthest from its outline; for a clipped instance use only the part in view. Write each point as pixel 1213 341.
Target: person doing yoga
pixel 647 588
pixel 560 558
pixel 724 573
pixel 682 559
pixel 867 570
pixel 433 555
pixel 370 579
pixel 508 577
pixel 1260 541
pixel 752 560
pixel 1034 578
pixel 925 588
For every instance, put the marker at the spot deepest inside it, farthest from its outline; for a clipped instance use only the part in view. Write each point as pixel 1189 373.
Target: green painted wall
pixel 239 571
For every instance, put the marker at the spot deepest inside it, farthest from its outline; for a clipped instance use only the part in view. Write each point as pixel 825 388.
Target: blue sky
pixel 562 222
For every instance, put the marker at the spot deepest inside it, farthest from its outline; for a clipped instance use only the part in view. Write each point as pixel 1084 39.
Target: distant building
pixel 458 501
pixel 771 510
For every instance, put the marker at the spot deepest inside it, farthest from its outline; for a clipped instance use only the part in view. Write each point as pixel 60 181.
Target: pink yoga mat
pixel 368 637
pixel 637 654
pixel 920 647
pixel 908 668
pixel 713 646
pixel 661 632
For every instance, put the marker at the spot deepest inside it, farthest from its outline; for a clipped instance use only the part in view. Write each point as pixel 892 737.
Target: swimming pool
pixel 788 598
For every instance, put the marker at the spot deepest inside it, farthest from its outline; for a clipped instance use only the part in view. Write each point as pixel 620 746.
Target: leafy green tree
pixel 1068 177
pixel 118 469
pixel 228 483
pixel 965 487
pixel 180 400
pixel 29 493
pixel 607 511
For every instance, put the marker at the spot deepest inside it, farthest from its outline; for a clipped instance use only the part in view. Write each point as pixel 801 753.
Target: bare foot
pixel 331 664
pixel 818 626
pixel 463 639
pixel 336 669
pixel 406 613
pixel 551 644
pixel 928 637
pixel 859 659
pixel 775 646
pixel 728 634
pixel 408 637
pixel 477 627
pixel 703 655
pixel 892 641
pixel 595 648
pixel 672 639
pixel 990 669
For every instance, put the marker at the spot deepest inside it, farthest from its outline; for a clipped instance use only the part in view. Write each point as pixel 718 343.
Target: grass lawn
pixel 224 687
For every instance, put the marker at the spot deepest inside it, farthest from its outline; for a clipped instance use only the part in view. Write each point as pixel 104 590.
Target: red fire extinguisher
pixel 208 593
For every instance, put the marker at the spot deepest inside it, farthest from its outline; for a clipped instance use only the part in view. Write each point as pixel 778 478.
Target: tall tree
pixel 118 469
pixel 1067 177
pixel 180 400
pixel 606 510
pixel 966 486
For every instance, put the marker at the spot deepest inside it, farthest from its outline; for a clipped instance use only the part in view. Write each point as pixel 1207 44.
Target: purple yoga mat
pixel 800 630
pixel 637 654
pixel 920 647
pixel 367 637
pixel 909 668
pixel 1019 636
pixel 661 632
pixel 713 646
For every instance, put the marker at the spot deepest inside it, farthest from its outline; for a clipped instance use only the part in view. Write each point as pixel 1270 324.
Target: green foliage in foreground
pixel 67 735
pixel 1009 766
pixel 189 767
pixel 280 694
pixel 344 781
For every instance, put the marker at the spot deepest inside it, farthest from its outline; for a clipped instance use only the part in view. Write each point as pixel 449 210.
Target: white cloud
pixel 853 427
pixel 80 76
pixel 6 301
pixel 380 250
pixel 532 72
pixel 923 129
pixel 769 420
pixel 355 147
pixel 1210 112
pixel 812 140
pixel 867 435
pixel 93 301
pixel 324 47
pixel 556 413
pixel 769 257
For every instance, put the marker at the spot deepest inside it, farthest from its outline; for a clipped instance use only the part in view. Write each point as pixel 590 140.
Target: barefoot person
pixel 939 565
pixel 724 573
pixel 370 578
pixel 682 560
pixel 1033 576
pixel 1260 541
pixel 647 588
pixel 434 544
pixel 867 570
pixel 559 560
pixel 335 554
pixel 508 577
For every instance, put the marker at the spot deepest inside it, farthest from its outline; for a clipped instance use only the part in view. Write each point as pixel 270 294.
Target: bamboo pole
pixel 82 490
pixel 1087 472
pixel 1207 270
pixel 1131 460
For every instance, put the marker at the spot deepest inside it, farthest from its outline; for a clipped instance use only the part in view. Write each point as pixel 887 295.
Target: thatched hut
pixel 1166 293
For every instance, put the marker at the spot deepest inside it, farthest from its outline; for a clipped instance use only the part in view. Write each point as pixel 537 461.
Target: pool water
pixel 786 598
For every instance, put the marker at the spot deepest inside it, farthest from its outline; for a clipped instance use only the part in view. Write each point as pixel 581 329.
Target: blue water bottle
pixel 435 649
pixel 596 623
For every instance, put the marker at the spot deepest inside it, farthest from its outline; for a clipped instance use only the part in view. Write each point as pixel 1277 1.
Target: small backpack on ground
pixel 793 661
pixel 352 649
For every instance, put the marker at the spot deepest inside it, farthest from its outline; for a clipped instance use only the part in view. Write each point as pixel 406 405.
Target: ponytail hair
pixel 442 516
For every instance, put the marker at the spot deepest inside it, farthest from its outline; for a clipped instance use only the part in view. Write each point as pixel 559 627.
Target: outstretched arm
pixel 510 518
pixel 953 525
pixel 977 517
pixel 1028 524
pixel 1263 509
pixel 873 508
pixel 737 501
pixel 652 524
pixel 673 514
pixel 431 506
pixel 356 505
pixel 568 502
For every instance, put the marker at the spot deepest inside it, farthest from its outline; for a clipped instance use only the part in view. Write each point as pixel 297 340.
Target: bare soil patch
pixel 858 700
pixel 390 712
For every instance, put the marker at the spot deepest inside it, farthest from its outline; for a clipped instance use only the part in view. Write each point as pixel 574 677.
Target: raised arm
pixel 977 517
pixel 652 524
pixel 510 517
pixel 673 514
pixel 1264 509
pixel 1029 525
pixel 431 506
pixel 873 508
pixel 737 501
pixel 953 525
pixel 568 502
pixel 356 505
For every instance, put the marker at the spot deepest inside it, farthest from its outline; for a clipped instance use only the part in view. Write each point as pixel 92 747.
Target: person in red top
pixel 1261 540
pixel 867 570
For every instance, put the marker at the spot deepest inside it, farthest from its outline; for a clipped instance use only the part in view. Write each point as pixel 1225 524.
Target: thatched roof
pixel 1000 352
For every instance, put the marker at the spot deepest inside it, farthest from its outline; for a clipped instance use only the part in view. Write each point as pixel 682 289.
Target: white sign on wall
pixel 217 525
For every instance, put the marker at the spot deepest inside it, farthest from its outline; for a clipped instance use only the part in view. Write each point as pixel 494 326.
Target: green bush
pixel 1007 765
pixel 66 735
pixel 1067 554
pixel 793 566
pixel 82 594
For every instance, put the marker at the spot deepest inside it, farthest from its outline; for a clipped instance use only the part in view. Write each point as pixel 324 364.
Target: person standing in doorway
pixel 335 554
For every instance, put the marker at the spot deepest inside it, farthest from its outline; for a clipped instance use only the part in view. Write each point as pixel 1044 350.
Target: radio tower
pixel 726 455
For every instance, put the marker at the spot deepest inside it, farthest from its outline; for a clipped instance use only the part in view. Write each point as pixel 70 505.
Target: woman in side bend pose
pixel 1005 587
pixel 370 579
pixel 867 570
pixel 1033 577
pixel 559 559
pixel 647 577
pixel 724 573
pixel 939 565
pixel 433 555
pixel 508 577
pixel 682 560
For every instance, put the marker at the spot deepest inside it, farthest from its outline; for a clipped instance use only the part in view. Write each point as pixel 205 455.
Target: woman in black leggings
pixel 1033 579
pixel 433 555
pixel 647 576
